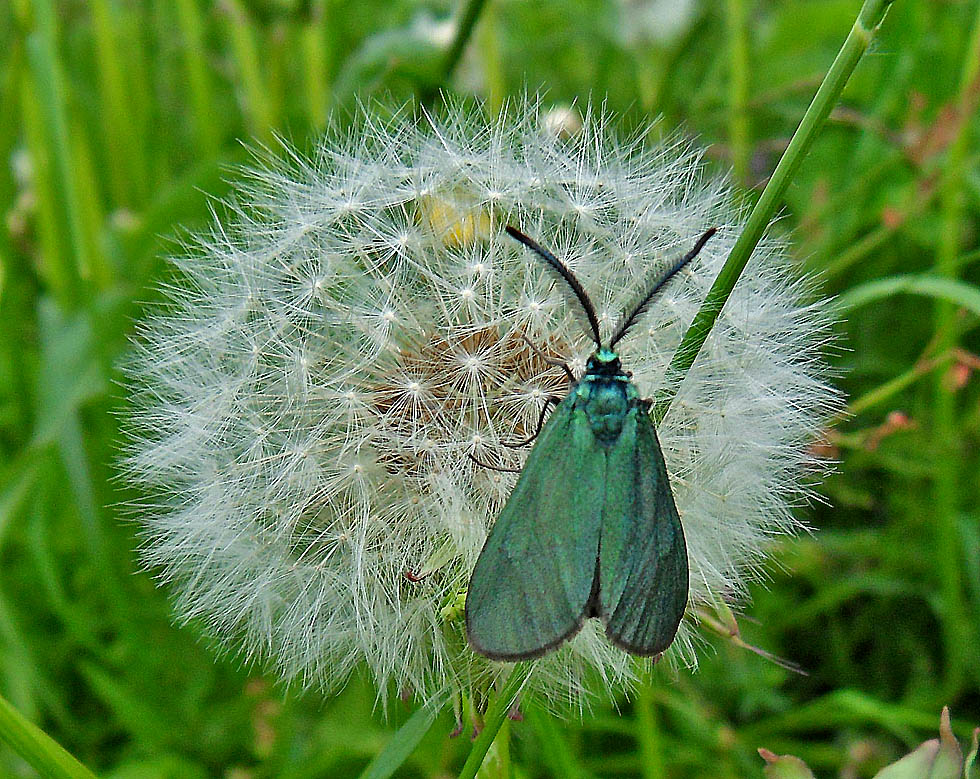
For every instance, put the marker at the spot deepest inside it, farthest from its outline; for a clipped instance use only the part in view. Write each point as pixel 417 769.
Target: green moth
pixel 590 529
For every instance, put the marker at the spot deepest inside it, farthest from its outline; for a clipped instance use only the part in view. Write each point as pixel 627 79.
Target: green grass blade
pixel 556 753
pixel 54 262
pixel 198 73
pixel 959 293
pixel 241 37
pixel 17 482
pixel 403 743
pixel 315 59
pixel 51 95
pixel 115 109
pixel 42 752
pixel 44 528
pixel 137 714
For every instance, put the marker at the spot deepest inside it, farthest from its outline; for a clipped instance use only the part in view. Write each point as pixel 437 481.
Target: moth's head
pixel 605 362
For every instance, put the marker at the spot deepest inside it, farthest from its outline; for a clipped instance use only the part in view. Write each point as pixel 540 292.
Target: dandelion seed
pixel 308 402
pixel 660 22
pixel 562 121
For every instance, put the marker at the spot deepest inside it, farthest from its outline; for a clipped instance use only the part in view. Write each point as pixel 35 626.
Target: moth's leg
pixel 544 410
pixel 550 360
pixel 492 467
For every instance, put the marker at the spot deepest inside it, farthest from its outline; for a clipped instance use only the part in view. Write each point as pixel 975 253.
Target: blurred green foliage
pixel 119 120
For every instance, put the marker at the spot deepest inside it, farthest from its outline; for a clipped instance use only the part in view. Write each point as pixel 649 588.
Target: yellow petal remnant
pixel 458 224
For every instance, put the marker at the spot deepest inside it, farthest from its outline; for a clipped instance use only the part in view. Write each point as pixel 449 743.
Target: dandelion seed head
pixel 356 328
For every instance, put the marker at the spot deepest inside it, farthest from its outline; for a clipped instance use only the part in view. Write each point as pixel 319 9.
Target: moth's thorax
pixel 605 362
pixel 606 394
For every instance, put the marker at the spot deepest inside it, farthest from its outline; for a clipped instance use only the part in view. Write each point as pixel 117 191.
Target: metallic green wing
pixel 535 578
pixel 643 572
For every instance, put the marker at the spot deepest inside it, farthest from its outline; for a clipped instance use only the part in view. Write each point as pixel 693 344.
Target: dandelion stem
pixel 496 715
pixel 869 18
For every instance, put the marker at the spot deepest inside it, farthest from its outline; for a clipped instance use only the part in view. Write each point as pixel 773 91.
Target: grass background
pixel 120 119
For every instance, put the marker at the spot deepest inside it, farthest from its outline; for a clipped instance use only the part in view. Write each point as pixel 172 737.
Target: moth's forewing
pixel 643 572
pixel 532 583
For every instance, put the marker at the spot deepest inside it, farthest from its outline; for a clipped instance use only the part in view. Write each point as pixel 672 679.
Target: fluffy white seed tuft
pixel 330 356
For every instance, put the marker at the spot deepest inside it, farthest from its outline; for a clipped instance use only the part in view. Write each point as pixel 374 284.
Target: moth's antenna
pixel 566 274
pixel 644 303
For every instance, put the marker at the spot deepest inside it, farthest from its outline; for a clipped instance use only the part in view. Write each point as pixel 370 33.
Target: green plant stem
pixel 495 717
pixel 467 21
pixel 466 24
pixel 41 752
pixel 54 266
pixel 917 204
pixel 738 95
pixel 890 388
pixel 955 624
pixel 869 19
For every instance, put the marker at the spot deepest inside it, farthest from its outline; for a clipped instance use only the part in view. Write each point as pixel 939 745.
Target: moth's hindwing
pixel 643 571
pixel 533 582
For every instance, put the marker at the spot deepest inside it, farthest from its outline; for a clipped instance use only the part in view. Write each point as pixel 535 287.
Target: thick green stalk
pixel 41 752
pixel 869 19
pixel 948 562
pixel 648 728
pixel 496 715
